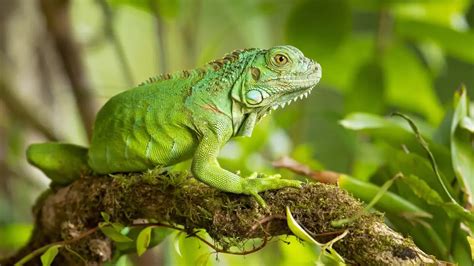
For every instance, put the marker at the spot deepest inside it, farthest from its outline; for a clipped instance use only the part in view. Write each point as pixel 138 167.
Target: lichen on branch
pixel 180 200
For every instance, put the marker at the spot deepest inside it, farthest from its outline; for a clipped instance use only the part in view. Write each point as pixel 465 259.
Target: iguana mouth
pixel 298 95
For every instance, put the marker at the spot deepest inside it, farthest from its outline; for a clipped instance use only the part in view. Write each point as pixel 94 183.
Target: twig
pixel 42 249
pixel 384 31
pixel 326 177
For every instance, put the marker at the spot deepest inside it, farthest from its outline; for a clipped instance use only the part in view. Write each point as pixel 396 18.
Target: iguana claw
pixel 255 184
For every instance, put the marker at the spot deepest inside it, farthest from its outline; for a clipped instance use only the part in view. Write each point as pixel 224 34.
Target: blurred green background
pixel 377 57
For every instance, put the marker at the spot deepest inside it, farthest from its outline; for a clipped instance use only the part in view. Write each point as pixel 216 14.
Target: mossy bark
pixel 67 212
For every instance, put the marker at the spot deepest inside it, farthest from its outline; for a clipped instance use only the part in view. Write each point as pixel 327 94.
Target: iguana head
pixel 274 78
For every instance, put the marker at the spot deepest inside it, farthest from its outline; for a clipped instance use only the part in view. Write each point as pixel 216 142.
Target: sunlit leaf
pixel 359 121
pixel 203 259
pixel 365 121
pixel 462 150
pixel 114 235
pixel 143 240
pixel 156 237
pixel 468 124
pixel 177 243
pixel 330 255
pixel 14 235
pixel 298 230
pixel 322 254
pixel 119 227
pixel 470 239
pixel 49 255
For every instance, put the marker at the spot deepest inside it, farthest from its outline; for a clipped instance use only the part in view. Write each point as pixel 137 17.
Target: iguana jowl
pixel 188 114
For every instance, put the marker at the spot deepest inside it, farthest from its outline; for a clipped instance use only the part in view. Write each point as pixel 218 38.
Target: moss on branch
pixel 178 199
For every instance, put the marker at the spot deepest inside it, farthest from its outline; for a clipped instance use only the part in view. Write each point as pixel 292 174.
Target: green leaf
pixel 470 239
pixel 468 124
pixel 177 243
pixel 431 157
pixel 143 240
pixel 456 43
pixel 367 91
pixel 462 151
pixel 296 229
pixel 389 202
pixel 322 254
pixel 454 210
pixel 409 84
pixel 340 68
pixel 305 30
pixel 382 191
pixel 114 235
pixel 14 236
pixel 105 216
pixel 396 132
pixel 365 121
pixel 423 190
pixel 457 211
pixel 49 255
pixel 118 227
pixel 332 257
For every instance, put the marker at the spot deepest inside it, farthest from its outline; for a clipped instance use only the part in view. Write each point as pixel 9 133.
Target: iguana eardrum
pixel 188 114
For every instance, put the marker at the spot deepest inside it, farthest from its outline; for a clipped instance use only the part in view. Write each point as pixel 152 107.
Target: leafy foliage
pixel 377 57
pixel 49 255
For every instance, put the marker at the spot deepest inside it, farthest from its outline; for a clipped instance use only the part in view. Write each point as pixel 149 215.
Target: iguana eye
pixel 254 97
pixel 280 59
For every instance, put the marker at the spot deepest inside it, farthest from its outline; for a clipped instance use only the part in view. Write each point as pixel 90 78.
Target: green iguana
pixel 188 114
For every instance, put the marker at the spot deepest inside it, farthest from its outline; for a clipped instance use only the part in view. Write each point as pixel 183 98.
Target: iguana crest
pixel 214 65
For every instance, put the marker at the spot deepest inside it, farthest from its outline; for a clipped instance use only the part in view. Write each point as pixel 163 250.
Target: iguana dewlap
pixel 188 114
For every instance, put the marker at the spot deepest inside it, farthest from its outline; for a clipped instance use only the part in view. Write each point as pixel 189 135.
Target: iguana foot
pixel 258 182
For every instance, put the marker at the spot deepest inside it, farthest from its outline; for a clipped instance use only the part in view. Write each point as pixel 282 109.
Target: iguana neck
pixel 221 79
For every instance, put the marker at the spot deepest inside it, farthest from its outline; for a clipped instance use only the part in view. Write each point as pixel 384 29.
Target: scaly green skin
pixel 192 114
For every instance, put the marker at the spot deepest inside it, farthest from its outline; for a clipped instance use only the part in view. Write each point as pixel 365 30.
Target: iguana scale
pixel 188 114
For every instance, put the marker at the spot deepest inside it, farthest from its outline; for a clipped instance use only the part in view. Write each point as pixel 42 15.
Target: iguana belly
pixel 138 149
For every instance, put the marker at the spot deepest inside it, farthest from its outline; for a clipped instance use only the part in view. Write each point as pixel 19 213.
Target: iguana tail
pixel 62 163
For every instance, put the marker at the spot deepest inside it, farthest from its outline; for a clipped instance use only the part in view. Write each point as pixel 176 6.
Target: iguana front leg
pixel 206 168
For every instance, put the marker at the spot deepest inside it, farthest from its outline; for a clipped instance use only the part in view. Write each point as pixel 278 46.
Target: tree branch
pixel 111 34
pixel 58 23
pixel 175 199
pixel 22 111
